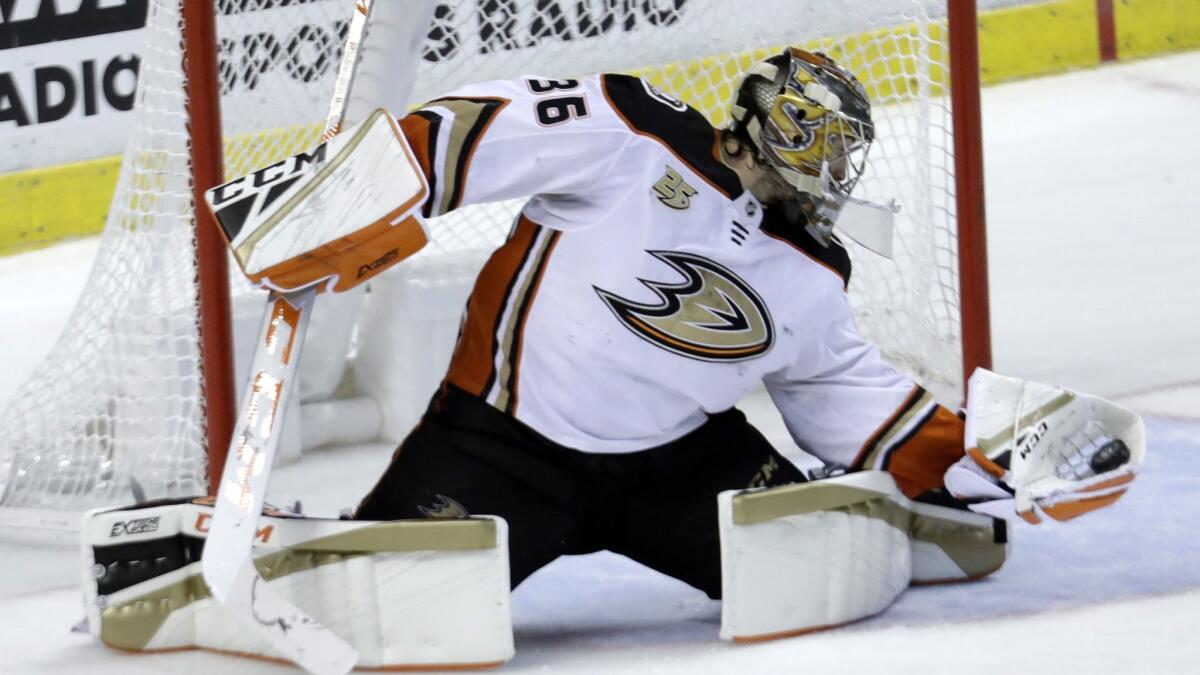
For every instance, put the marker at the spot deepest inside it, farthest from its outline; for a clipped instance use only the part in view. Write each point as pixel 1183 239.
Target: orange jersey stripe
pixel 869 447
pixel 473 365
pixel 421 129
pixel 919 461
pixel 416 130
pixel 526 304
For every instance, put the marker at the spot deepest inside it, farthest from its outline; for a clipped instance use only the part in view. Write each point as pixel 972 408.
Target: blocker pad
pixel 335 215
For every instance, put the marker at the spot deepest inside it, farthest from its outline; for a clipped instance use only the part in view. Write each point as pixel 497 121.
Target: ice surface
pixel 1093 193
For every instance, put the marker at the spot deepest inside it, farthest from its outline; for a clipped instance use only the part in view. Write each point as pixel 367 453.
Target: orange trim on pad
pixel 1074 509
pixel 766 637
pixel 360 255
pixel 402 667
pixel 990 467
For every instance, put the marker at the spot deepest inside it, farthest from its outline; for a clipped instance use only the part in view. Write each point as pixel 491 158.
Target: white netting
pixel 117 401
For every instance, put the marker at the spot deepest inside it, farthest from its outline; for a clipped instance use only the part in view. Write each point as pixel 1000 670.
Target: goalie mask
pixel 810 120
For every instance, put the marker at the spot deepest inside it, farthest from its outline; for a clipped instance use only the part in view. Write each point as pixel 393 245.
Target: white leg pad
pixel 953 545
pixel 801 558
pixel 406 594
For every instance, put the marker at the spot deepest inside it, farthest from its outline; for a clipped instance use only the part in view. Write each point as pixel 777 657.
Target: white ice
pixel 1092 193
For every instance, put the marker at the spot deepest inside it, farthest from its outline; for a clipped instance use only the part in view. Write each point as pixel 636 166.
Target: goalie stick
pixel 228 563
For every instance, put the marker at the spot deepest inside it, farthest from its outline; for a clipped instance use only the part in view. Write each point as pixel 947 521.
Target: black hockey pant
pixel 657 506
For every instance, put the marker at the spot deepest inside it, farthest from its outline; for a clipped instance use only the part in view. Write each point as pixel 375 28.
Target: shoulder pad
pixel 681 128
pixel 830 253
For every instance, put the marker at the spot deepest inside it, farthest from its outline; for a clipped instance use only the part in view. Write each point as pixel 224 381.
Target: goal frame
pixel 974 311
pixel 216 334
pixel 202 90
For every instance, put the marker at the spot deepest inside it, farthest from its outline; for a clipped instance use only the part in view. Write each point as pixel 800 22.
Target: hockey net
pixel 115 413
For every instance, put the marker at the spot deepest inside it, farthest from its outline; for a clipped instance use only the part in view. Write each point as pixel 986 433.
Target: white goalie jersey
pixel 641 287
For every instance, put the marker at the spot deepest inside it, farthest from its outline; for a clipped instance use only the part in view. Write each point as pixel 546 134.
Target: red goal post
pixel 241 84
pixel 203 93
pixel 975 311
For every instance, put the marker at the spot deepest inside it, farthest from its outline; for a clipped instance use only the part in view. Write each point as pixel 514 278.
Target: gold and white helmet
pixel 810 119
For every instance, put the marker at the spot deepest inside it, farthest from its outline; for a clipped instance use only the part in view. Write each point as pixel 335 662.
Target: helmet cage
pixel 810 119
pixel 833 150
